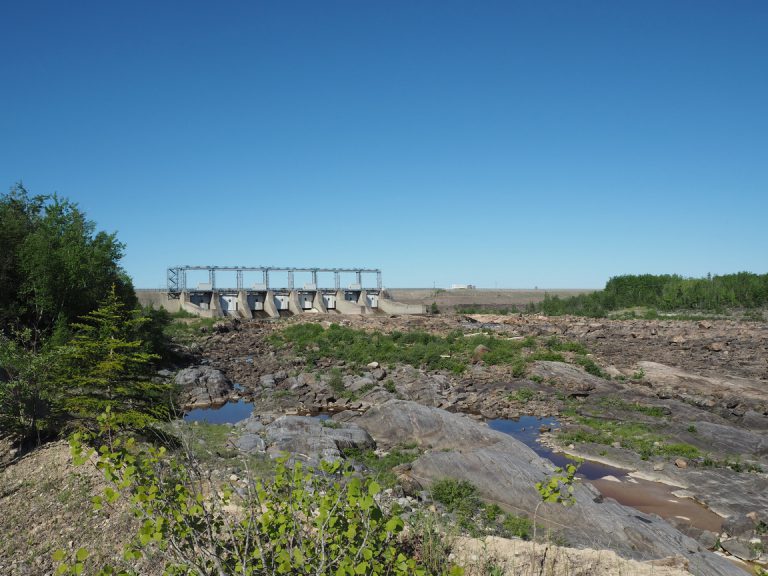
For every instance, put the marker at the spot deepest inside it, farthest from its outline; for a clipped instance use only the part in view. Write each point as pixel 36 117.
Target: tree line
pixel 73 340
pixel 664 292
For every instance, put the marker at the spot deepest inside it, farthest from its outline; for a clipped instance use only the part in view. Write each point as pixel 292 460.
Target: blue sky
pixel 508 144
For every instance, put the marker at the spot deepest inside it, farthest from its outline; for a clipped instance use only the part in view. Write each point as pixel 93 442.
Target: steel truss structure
pixel 177 277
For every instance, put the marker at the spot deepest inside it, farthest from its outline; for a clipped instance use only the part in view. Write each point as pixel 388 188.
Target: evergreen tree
pixel 105 365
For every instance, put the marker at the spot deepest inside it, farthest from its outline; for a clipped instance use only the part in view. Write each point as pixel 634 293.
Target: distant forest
pixel 664 292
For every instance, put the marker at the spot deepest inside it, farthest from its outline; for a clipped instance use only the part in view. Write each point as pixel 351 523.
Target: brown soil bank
pixel 482 298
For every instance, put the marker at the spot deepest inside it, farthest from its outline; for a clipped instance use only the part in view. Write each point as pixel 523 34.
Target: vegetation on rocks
pixel 380 465
pixel 475 517
pixel 454 351
pixel 635 436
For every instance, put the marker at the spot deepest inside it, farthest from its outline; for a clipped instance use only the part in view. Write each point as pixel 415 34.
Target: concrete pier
pixel 247 304
pixel 319 303
pixel 243 307
pixel 293 303
pixel 269 305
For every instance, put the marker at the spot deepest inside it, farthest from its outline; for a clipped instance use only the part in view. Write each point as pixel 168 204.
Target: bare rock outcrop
pixel 311 440
pixel 505 472
pixel 573 380
pixel 727 392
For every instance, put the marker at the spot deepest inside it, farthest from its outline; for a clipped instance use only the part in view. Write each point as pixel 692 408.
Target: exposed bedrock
pixel 505 472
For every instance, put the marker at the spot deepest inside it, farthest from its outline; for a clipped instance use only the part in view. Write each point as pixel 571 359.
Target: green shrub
pixel 336 382
pixel 381 466
pixel 589 365
pixel 456 495
pixel 523 395
pixel 517 526
pixel 300 522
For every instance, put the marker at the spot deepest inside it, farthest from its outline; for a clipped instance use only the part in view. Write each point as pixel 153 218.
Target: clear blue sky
pixel 509 144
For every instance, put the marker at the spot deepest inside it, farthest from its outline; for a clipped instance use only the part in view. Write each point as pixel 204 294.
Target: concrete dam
pixel 271 297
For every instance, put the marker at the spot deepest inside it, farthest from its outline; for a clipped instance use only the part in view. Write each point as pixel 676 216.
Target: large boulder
pixel 311 440
pixel 202 387
pixel 573 380
pixel 505 471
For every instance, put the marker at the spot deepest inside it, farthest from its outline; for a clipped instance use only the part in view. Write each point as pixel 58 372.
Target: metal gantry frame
pixel 177 276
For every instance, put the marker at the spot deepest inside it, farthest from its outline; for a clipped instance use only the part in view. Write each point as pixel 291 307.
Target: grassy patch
pixel 381 466
pixel 619 404
pixel 185 330
pixel 523 395
pixel 590 366
pixel 632 435
pixel 555 344
pixel 734 463
pixel 419 349
pixel 456 495
pixel 518 526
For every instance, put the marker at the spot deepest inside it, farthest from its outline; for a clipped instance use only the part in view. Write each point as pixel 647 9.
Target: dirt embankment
pixel 480 298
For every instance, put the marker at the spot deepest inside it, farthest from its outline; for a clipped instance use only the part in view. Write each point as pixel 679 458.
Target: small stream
pixel 611 482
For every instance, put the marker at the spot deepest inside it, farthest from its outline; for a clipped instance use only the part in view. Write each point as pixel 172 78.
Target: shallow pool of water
pixel 643 495
pixel 229 413
pixel 526 430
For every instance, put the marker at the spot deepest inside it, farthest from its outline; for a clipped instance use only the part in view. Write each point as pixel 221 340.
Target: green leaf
pixel 81 554
pixel 394 524
pixel 58 555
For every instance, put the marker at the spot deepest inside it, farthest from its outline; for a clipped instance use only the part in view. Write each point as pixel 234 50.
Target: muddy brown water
pixel 657 498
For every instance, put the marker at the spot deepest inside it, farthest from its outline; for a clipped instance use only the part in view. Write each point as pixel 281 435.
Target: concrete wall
pixel 392 307
pixel 345 306
pixel 159 299
pixel 243 307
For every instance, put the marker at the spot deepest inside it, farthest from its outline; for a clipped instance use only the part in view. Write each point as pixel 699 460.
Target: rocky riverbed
pixel 683 403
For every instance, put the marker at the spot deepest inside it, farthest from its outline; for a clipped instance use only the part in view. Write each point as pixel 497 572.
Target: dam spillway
pixel 273 297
